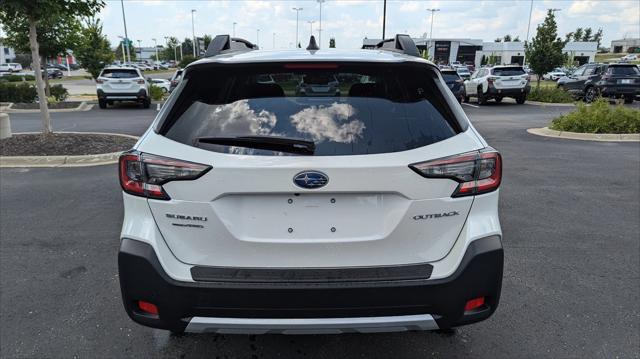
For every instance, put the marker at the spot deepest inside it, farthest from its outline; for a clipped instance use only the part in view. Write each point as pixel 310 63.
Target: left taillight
pixel 476 172
pixel 143 174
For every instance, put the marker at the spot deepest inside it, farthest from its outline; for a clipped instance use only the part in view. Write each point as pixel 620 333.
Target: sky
pixel 349 21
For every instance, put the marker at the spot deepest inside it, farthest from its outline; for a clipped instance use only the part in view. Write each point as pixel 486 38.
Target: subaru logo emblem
pixel 311 179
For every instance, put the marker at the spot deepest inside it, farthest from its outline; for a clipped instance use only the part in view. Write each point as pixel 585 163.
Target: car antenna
pixel 313 45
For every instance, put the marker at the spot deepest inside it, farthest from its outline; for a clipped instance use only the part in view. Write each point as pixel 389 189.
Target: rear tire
pixel 590 94
pixel 498 99
pixel 628 99
pixel 466 99
pixel 482 100
pixel 520 100
pixel 102 104
pixel 146 103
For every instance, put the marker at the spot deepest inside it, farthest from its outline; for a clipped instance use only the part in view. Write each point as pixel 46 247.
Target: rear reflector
pixel 142 174
pixel 477 172
pixel 147 307
pixel 474 304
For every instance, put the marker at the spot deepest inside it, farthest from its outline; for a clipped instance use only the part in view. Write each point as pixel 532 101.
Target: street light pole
pixel 155 44
pixel 311 27
pixel 384 18
pixel 320 24
pixel 234 28
pixel 193 32
pixel 126 36
pixel 431 31
pixel 526 42
pixel 124 56
pixel 297 9
pixel 139 47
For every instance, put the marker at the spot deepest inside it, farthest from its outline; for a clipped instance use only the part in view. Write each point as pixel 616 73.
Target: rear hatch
pixel 125 81
pixel 625 78
pixel 511 77
pixel 349 198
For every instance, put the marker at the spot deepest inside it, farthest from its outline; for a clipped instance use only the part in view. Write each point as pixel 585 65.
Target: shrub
pixel 23 92
pixel 550 94
pixel 600 117
pixel 59 93
pixel 155 92
pixel 29 78
pixel 13 78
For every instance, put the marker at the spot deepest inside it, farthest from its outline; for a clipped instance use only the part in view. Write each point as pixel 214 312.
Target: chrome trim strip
pixel 311 325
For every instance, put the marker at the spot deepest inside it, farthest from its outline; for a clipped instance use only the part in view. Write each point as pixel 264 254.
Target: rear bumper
pixel 310 307
pixel 512 92
pixel 608 91
pixel 127 96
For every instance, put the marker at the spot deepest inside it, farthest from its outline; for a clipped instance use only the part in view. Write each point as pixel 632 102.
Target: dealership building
pixel 472 51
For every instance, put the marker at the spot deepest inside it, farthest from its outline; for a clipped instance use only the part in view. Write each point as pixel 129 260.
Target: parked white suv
pixel 119 83
pixel 497 83
pixel 250 208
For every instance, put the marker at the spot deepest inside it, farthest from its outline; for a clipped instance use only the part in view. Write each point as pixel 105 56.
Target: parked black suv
pixel 455 83
pixel 607 80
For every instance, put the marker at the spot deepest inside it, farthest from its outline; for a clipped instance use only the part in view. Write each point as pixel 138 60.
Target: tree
pixel 187 47
pixel 499 39
pixel 577 35
pixel 568 36
pixel 23 59
pixel 507 38
pixel 207 40
pixel 516 39
pixel 132 52
pixel 332 43
pixel 186 61
pixel 53 19
pixel 544 53
pixel 94 50
pixel 587 34
pixel 598 37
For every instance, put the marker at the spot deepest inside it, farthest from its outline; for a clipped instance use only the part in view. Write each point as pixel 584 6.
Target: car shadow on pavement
pixel 378 345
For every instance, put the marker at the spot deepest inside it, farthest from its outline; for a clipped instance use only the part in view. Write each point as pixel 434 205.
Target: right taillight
pixel 143 174
pixel 476 172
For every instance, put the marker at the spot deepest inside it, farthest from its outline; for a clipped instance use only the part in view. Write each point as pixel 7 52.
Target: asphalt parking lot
pixel 569 210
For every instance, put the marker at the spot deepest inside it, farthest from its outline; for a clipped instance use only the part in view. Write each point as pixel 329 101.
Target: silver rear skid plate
pixel 311 325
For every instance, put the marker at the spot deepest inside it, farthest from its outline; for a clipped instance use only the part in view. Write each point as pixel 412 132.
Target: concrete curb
pixel 63 161
pixel 83 106
pixel 551 104
pixel 603 137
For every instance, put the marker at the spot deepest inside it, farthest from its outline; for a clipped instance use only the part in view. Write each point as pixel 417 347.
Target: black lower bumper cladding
pixel 143 279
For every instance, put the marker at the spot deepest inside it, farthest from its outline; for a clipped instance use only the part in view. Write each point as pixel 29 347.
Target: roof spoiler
pixel 222 44
pixel 401 43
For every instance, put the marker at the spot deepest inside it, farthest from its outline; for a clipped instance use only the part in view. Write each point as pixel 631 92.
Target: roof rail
pixel 224 44
pixel 401 43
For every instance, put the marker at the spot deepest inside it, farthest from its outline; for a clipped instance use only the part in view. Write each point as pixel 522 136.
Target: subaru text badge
pixel 310 179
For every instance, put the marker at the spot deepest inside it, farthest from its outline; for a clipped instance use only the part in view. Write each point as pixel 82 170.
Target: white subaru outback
pixel 119 83
pixel 251 207
pixel 498 82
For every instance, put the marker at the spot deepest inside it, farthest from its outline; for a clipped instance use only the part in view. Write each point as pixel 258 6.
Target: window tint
pixel 623 70
pixel 450 77
pixel 579 71
pixel 346 110
pixel 119 73
pixel 508 71
pixel 589 71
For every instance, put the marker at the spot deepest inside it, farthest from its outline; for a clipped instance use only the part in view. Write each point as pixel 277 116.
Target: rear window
pixel 450 77
pixel 623 70
pixel 508 71
pixel 345 109
pixel 119 73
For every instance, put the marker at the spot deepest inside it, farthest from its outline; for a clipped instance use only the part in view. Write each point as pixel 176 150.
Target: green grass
pixel 550 94
pixel 599 118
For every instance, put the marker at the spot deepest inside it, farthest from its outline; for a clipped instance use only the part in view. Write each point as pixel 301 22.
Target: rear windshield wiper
pixel 271 143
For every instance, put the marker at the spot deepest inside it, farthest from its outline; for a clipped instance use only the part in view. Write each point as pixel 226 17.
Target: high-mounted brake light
pixel 306 66
pixel 477 172
pixel 142 174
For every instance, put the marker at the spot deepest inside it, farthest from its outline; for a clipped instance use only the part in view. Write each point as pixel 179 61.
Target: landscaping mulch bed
pixel 52 106
pixel 63 144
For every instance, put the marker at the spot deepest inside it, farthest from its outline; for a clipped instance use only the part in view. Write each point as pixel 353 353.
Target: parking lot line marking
pixel 157 107
pixel 468 104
